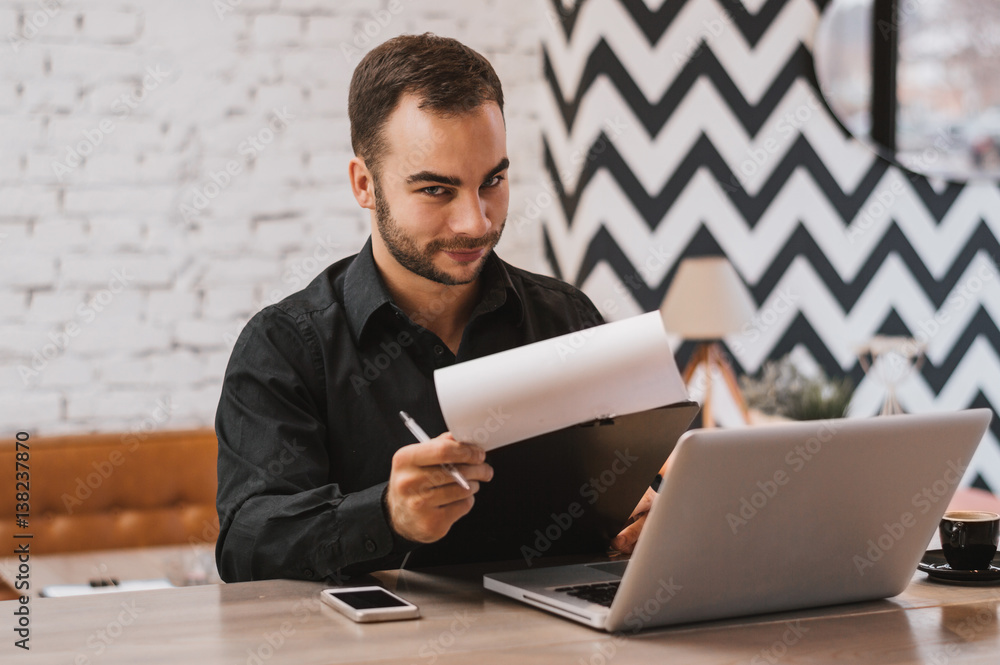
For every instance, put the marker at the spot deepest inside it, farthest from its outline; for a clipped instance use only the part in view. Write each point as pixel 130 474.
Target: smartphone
pixel 366 604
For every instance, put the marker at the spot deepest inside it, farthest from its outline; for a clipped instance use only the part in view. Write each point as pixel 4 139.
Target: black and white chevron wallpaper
pixel 687 127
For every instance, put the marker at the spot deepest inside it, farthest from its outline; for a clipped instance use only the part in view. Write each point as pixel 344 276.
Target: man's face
pixel 441 193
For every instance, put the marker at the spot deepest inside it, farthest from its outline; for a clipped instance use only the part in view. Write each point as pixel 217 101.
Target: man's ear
pixel 362 183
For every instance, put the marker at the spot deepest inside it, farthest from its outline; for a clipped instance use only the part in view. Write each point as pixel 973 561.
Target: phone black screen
pixel 367 600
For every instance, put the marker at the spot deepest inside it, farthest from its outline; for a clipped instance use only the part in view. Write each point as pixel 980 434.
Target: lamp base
pixel 709 356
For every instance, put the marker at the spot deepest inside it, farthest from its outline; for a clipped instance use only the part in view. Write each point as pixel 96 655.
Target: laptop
pixel 772 518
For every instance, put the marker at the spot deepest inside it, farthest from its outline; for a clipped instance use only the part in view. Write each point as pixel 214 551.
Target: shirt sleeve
pixel 279 515
pixel 592 316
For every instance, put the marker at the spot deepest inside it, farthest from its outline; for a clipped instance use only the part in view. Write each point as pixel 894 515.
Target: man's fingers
pixel 441 450
pixel 436 496
pixel 625 541
pixel 482 472
pixel 453 452
pixel 437 476
pixel 645 503
pixel 457 509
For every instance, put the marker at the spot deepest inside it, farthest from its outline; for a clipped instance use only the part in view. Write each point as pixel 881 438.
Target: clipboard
pixel 566 492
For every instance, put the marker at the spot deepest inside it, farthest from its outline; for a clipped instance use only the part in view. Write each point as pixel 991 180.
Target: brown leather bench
pixel 107 491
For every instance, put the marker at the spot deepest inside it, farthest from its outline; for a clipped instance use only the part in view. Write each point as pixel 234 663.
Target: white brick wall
pixel 27 272
pixel 37 409
pixel 8 20
pixel 73 82
pixel 112 27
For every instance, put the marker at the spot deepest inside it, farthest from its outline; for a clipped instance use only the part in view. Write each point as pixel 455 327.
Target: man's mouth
pixel 465 255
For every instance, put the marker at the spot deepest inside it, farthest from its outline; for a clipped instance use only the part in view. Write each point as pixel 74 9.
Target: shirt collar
pixel 365 292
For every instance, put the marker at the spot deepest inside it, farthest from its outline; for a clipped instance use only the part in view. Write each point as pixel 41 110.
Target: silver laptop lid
pixel 773 518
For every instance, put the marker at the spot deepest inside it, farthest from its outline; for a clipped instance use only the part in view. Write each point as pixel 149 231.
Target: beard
pixel 420 261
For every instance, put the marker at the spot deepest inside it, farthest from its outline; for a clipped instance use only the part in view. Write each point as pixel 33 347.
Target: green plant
pixel 784 390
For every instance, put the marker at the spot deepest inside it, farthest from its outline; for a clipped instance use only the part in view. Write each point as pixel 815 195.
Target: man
pixel 318 477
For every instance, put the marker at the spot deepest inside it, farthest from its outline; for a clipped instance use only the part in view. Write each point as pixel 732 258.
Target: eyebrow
pixel 430 176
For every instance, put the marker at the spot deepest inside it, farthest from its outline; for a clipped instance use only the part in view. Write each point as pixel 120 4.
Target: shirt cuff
pixel 400 545
pixel 370 537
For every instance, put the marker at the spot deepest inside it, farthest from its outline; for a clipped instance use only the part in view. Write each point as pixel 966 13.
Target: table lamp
pixel 706 301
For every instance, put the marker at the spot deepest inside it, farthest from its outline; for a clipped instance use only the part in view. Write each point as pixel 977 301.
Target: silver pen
pixel 421 435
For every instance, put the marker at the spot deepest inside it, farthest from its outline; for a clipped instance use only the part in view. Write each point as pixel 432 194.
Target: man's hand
pixel 625 541
pixel 423 500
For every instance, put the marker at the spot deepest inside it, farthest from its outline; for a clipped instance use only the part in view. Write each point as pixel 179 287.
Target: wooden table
pixel 283 622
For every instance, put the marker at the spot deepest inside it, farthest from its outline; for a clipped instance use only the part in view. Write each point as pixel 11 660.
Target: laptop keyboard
pixel 601 593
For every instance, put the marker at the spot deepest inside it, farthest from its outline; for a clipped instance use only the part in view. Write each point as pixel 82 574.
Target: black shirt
pixel 309 419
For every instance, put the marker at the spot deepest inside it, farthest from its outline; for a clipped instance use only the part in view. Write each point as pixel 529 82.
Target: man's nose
pixel 470 218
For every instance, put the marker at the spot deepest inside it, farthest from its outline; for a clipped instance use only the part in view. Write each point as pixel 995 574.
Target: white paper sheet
pixel 613 369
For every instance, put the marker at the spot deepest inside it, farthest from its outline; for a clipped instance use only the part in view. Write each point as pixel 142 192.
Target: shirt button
pixel 438 349
pixel 308 573
pixel 370 546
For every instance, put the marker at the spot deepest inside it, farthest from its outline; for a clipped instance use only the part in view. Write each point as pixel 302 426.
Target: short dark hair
pixel 449 78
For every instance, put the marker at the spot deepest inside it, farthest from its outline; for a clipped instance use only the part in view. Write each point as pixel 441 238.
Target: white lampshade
pixel 707 300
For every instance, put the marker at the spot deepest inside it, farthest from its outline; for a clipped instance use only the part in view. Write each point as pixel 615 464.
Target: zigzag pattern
pixel 689 127
pixel 654 23
pixel 604 155
pixel 604 117
pixel 653 115
pixel 704 156
pixel 801 246
pixel 604 34
pixel 892 301
pixel 754 245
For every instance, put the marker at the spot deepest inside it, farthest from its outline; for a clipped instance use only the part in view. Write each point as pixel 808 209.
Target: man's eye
pixel 434 190
pixel 494 181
